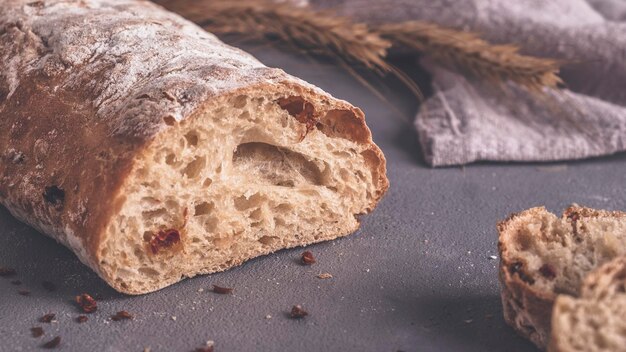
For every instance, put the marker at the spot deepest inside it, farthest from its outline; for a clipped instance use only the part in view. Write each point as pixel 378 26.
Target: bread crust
pixel 526 308
pixel 79 103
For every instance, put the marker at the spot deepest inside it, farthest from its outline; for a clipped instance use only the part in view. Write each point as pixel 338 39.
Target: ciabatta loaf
pixel 542 256
pixel 595 322
pixel 156 152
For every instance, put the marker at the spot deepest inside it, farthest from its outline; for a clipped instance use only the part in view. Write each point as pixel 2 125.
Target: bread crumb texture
pixel 595 322
pixel 236 181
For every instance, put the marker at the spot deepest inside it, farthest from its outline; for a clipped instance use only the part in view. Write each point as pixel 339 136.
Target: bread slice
pixel 595 322
pixel 156 152
pixel 542 256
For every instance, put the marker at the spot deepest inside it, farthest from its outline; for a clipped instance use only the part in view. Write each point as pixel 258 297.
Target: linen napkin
pixel 466 120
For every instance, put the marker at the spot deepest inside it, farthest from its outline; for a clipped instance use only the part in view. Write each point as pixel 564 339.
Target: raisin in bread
pixel 596 321
pixel 542 256
pixel 156 152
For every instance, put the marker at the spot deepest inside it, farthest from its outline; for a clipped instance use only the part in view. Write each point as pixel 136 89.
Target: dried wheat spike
pixel 466 52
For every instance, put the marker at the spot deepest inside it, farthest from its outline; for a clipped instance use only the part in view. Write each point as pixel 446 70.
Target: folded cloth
pixel 466 120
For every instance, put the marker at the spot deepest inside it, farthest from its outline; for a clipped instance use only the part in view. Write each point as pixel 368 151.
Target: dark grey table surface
pixel 417 277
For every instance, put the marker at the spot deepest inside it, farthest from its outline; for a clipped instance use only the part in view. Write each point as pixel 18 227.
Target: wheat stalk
pixel 318 32
pixel 325 33
pixel 466 52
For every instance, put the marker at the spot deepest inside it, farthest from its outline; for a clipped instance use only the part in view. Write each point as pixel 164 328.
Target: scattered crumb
pixel 81 318
pixel 122 315
pixel 268 317
pixel 36 331
pixel 48 318
pixel 200 290
pixel 173 317
pixel 367 270
pixel 468 321
pixel 307 258
pixel 493 257
pixel 54 343
pixel 324 276
pixel 222 290
pixel 147 349
pixel 297 312
pixel 207 348
pixel 86 303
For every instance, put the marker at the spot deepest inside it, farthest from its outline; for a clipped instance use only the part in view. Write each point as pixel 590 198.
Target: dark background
pixel 417 277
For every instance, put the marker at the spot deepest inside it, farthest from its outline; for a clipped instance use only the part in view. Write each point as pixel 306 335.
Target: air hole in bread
pixel 279 222
pixel 275 165
pixel 243 202
pixel 193 169
pixel 149 271
pixel 169 120
pixel 207 182
pixel 283 208
pixel 211 224
pixel 268 240
pixel 360 175
pixel 192 139
pixel 171 205
pixel 149 201
pixel 302 110
pixel 240 101
pixel 151 214
pixel 256 214
pixel 222 243
pixel 170 159
pixel 203 208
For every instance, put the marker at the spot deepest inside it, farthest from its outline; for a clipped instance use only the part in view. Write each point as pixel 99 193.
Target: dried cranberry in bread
pixel 542 256
pixel 156 152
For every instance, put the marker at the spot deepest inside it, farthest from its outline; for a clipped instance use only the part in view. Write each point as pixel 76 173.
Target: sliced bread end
pixel 542 256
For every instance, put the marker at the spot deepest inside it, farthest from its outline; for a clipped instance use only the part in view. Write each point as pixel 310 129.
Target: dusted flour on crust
pixel 119 119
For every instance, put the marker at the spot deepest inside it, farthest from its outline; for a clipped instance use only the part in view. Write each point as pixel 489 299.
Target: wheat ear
pixel 317 32
pixel 466 52
pixel 325 33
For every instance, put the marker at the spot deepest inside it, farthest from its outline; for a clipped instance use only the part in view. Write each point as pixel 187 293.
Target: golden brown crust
pixel 526 308
pixel 60 172
pixel 582 212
